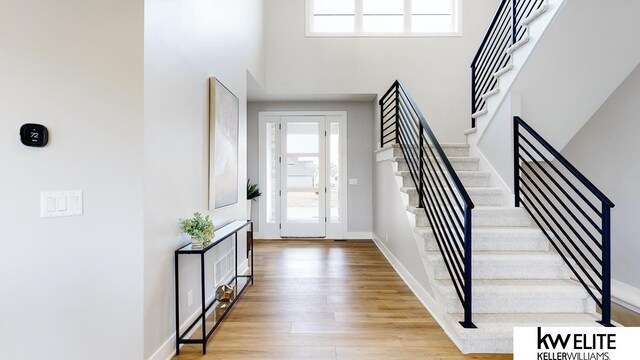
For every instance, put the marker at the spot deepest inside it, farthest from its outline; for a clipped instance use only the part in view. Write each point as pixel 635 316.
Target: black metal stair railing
pixel 506 29
pixel 574 214
pixel 441 193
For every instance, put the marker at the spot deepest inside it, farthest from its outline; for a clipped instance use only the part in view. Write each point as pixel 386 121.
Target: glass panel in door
pixel 303 176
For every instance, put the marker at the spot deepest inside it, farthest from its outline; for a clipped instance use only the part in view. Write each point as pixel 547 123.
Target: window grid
pixel 408 16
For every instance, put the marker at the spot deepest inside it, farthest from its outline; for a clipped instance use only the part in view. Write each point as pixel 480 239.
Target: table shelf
pixel 214 312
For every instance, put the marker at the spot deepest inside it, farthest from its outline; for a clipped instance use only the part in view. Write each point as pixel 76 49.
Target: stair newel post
pixel 381 123
pixel 473 93
pixel 514 30
pixel 421 143
pixel 606 265
pixel 516 161
pixel 397 106
pixel 468 297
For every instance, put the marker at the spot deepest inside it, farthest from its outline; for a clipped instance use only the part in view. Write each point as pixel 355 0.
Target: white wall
pixel 434 69
pixel 495 147
pixel 359 149
pixel 186 42
pixel 391 224
pixel 71 288
pixel 588 49
pixel 606 150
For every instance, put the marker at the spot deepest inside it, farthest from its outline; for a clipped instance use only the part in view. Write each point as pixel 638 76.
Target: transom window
pixel 383 17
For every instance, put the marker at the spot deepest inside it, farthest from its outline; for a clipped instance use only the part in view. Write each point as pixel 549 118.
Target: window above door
pixel 384 18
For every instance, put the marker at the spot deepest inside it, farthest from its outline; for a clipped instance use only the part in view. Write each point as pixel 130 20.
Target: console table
pixel 239 283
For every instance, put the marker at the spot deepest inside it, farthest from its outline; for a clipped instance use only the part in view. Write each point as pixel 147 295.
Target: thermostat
pixel 35 135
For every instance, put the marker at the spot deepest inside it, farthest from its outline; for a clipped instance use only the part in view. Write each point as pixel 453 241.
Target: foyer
pixel 325 299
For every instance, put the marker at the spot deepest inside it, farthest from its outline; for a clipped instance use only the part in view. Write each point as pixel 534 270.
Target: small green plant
pixel 198 227
pixel 253 191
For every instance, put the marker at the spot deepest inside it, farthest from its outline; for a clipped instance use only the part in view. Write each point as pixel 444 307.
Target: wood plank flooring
pixel 322 299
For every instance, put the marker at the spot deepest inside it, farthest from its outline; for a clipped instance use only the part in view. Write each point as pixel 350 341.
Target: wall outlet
pixel 190 298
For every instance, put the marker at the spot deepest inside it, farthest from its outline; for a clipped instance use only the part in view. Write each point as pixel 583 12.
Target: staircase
pixel 493 264
pixel 517 279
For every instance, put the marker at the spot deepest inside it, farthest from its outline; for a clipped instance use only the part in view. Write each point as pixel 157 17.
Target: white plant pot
pixel 249 209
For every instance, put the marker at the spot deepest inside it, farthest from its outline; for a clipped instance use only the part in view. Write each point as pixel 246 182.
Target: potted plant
pixel 253 192
pixel 200 229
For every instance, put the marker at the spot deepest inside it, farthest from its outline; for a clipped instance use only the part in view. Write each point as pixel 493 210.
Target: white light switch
pixel 60 203
pixel 73 203
pixel 50 204
pixel 353 181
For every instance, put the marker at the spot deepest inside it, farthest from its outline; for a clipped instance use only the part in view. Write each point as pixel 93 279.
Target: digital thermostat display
pixel 34 135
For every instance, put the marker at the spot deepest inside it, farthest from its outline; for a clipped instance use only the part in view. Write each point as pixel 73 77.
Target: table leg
pixel 204 312
pixel 177 293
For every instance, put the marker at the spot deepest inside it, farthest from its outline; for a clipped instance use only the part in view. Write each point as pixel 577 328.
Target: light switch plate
pixel 353 181
pixel 60 203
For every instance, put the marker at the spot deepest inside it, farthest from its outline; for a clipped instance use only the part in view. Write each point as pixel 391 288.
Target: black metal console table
pixel 239 283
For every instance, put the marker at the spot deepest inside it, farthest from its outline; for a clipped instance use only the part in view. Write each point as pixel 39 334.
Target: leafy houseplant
pixel 199 228
pixel 253 191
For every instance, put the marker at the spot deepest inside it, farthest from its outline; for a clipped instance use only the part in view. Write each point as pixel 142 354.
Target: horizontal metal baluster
pixel 442 186
pixel 497 49
pixel 568 238
pixel 550 228
pixel 566 208
pixel 445 236
pixel 577 174
pixel 488 53
pixel 443 209
pixel 497 43
pixel 561 188
pixel 501 8
pixel 449 208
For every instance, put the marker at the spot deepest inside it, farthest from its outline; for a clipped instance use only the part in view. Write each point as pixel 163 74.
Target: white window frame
pixel 458 16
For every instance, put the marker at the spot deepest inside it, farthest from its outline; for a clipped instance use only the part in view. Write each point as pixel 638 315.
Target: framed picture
pixel 224 117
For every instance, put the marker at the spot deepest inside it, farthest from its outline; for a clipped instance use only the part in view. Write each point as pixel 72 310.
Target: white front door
pixel 302 160
pixel 303 176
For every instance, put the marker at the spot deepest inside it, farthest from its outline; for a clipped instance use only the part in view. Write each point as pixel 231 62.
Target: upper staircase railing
pixel 507 29
pixel 574 214
pixel 441 193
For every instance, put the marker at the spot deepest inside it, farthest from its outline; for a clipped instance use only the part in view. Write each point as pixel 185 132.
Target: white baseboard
pixel 622 294
pixel 351 235
pixel 359 236
pixel 168 349
pixel 625 295
pixel 425 298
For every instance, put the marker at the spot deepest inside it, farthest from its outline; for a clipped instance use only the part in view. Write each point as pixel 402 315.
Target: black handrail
pixel 440 191
pixel 506 29
pixel 551 194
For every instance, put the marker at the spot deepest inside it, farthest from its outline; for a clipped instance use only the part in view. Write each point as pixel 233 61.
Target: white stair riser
pixel 494 242
pixel 467 180
pixel 448 150
pixel 485 218
pixel 458 164
pixel 507 269
pixel 500 219
pixel 477 198
pixel 401 166
pixel 524 303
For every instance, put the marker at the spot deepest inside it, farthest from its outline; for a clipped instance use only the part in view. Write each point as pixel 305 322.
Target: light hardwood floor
pixel 321 299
